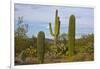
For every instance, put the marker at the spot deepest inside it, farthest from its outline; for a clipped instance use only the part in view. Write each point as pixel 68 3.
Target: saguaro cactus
pixel 41 46
pixel 71 35
pixel 56 32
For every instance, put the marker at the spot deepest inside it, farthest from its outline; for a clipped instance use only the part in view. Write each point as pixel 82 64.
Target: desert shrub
pixel 24 43
pixel 80 57
pixel 62 44
pixel 21 44
pixel 29 52
pixel 84 49
pixel 85 44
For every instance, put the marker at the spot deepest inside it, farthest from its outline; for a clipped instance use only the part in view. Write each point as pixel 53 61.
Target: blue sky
pixel 39 16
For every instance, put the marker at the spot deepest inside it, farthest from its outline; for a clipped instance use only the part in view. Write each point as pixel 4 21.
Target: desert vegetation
pixel 62 48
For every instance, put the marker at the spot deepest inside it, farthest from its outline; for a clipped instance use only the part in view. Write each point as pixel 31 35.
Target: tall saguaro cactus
pixel 41 46
pixel 71 35
pixel 56 32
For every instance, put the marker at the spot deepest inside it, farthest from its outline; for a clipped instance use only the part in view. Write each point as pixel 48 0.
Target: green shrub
pixel 29 52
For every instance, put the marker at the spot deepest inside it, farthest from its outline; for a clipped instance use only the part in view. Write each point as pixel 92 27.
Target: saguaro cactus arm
pixel 50 28
pixel 56 25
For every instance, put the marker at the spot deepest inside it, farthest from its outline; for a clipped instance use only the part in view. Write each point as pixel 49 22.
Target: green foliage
pixel 24 43
pixel 22 29
pixel 29 52
pixel 71 35
pixel 21 40
pixel 84 48
pixel 34 41
pixel 35 49
pixel 21 44
pixel 80 57
pixel 85 44
pixel 62 45
pixel 41 46
pixel 56 32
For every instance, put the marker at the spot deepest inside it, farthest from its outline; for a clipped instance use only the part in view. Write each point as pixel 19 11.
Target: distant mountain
pixel 46 39
pixel 49 40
